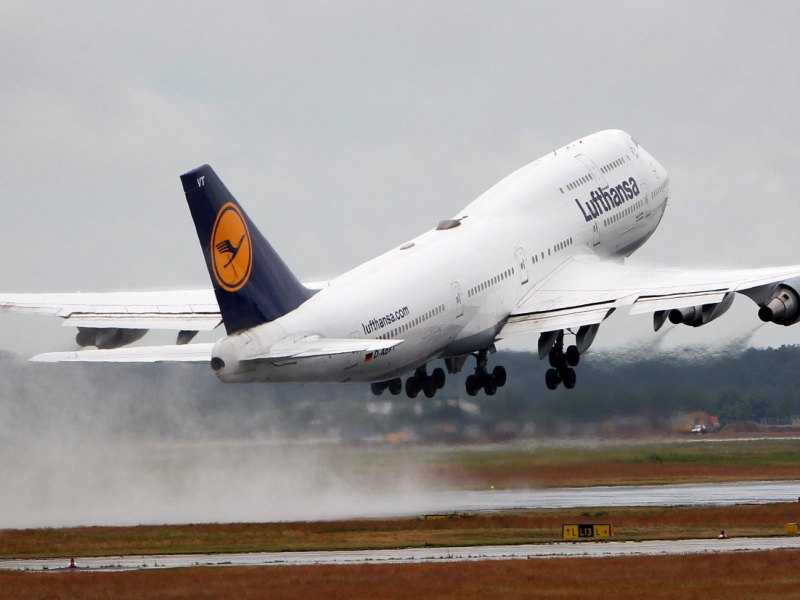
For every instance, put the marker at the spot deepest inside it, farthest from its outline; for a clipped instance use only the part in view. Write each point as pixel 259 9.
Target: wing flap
pixel 649 304
pixel 557 319
pixel 186 322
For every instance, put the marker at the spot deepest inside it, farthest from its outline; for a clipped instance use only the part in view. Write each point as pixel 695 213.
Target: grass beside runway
pixel 575 462
pixel 526 527
pixel 681 460
pixel 730 575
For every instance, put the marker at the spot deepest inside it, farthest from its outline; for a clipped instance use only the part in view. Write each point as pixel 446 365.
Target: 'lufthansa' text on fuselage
pixel 602 201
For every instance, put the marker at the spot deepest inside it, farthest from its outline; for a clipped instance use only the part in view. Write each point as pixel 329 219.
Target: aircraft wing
pixel 586 290
pixel 190 310
pixel 307 347
pixel 187 310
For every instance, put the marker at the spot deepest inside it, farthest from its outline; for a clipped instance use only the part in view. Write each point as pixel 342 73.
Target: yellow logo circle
pixel 231 250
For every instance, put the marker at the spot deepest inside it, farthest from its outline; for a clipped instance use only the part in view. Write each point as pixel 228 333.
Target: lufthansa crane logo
pixel 231 250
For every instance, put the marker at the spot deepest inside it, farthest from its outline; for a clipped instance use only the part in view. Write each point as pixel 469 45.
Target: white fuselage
pixel 449 291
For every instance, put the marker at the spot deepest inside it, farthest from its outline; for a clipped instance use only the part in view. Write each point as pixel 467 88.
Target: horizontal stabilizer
pixel 307 347
pixel 314 345
pixel 136 354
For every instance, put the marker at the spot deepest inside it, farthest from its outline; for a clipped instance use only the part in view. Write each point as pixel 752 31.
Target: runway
pixel 759 492
pixel 700 494
pixel 360 504
pixel 408 555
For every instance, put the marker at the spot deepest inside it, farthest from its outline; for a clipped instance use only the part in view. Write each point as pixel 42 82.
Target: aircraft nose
pixel 660 170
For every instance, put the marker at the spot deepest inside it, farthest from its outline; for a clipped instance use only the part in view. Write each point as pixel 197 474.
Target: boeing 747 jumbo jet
pixel 542 252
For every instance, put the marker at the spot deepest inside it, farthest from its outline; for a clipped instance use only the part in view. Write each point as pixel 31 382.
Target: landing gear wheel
pixel 556 357
pixel 395 386
pixel 561 361
pixel 412 387
pixel 573 356
pixel 438 377
pixel 377 387
pixel 482 379
pixel 499 374
pixel 552 379
pixel 429 387
pixel 569 378
pixel 473 384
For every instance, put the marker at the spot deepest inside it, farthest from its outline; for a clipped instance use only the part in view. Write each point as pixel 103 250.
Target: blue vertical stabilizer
pixel 252 284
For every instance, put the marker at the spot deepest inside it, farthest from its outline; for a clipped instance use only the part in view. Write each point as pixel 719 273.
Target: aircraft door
pixel 597 176
pixel 643 191
pixel 595 234
pixel 455 288
pixel 522 265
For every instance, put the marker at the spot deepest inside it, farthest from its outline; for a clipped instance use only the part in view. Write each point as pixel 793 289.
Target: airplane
pixel 542 253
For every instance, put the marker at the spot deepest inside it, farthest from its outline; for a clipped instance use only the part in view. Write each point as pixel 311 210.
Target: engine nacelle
pixel 106 338
pixel 695 316
pixel 783 308
pixel 692 315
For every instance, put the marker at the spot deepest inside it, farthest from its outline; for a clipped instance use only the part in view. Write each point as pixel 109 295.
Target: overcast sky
pixel 347 127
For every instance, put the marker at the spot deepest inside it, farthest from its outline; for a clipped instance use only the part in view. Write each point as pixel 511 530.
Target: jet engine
pixel 783 308
pixel 106 338
pixel 695 316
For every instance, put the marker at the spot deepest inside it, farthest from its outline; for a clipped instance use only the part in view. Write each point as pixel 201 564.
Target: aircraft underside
pixel 488 380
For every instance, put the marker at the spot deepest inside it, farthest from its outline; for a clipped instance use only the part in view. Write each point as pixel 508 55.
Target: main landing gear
pixel 482 379
pixel 420 381
pixel 395 386
pixel 431 383
pixel 562 362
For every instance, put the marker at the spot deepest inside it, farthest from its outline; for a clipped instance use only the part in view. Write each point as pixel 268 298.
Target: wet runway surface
pixel 708 494
pixel 761 492
pixel 359 503
pixel 409 555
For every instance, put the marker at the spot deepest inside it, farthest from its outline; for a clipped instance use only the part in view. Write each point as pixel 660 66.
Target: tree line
pixel 187 401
